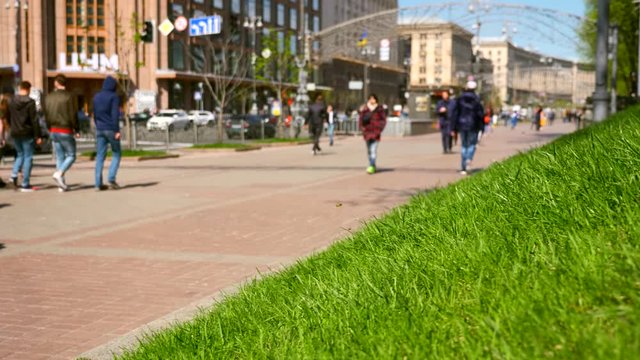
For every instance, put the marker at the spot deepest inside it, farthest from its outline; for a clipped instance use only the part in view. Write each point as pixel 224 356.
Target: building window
pixel 176 61
pixel 266 10
pixel 176 10
pixel 423 69
pixel 422 81
pixel 218 4
pixel 197 55
pixel 316 24
pixel 293 44
pixel 423 36
pixel 280 15
pixel 235 6
pixel 316 5
pixel 293 18
pixel 280 41
pixel 251 5
pixel 198 1
pixel 198 13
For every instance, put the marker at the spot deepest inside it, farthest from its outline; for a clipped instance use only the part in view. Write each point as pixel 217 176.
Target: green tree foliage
pixel 625 14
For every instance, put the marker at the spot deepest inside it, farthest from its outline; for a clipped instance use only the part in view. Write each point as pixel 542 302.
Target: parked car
pixel 202 118
pixel 169 119
pixel 251 125
pixel 140 117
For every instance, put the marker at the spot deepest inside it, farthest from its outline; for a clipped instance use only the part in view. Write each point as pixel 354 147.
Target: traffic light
pixel 147 32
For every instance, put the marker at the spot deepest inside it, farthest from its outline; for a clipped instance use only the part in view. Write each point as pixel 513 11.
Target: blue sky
pixel 526 35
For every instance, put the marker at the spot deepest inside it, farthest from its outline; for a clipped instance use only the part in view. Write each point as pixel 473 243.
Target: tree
pixel 621 12
pixel 223 74
pixel 278 68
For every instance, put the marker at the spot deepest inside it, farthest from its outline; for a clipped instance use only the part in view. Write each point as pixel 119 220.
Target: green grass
pixel 223 146
pixel 130 153
pixel 536 257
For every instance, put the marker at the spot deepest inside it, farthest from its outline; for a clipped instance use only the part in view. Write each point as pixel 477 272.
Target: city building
pixel 88 39
pixel 526 77
pixel 441 58
pixel 356 57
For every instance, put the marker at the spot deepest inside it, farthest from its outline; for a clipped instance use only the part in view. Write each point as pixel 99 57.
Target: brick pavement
pixel 83 273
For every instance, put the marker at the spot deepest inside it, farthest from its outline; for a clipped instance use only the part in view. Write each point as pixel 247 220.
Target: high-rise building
pixel 88 39
pixel 338 11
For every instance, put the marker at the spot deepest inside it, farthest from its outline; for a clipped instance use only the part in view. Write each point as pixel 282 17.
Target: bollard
pixel 195 131
pixel 167 137
pixel 262 129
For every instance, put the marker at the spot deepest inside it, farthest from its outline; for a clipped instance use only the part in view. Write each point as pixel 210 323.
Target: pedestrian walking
pixel 372 120
pixel 106 111
pixel 316 117
pixel 61 114
pixel 468 119
pixel 25 132
pixel 537 119
pixel 331 123
pixel 4 113
pixel 444 123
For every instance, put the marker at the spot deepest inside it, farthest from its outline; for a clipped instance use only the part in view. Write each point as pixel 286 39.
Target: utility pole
pixel 600 96
pixel 614 68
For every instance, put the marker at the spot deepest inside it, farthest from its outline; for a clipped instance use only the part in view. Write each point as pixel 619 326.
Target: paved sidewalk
pixel 85 272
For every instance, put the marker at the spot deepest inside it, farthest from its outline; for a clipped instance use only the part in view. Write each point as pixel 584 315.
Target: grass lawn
pixel 536 257
pixel 130 153
pixel 223 146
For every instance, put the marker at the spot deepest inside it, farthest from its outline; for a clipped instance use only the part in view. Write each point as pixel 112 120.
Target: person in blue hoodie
pixel 106 114
pixel 468 120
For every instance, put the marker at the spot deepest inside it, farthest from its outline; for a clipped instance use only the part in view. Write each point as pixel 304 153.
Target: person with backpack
pixel 468 120
pixel 372 120
pixel 315 118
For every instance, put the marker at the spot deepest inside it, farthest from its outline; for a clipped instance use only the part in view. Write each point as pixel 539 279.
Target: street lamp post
pixel 600 96
pixel 18 32
pixel 367 52
pixel 253 24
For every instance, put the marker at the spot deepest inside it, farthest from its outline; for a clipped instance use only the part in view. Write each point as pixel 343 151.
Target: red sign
pixel 181 23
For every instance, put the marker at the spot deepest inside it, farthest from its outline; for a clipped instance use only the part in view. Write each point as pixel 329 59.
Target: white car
pixel 202 118
pixel 169 119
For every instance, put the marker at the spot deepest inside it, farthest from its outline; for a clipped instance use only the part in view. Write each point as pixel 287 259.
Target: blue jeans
pixel 372 151
pixel 469 140
pixel 24 159
pixel 331 131
pixel 65 148
pixel 104 138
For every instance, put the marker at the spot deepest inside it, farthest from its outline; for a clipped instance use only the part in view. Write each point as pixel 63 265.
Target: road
pixel 85 272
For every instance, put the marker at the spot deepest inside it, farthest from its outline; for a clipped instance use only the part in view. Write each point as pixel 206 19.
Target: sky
pixel 540 44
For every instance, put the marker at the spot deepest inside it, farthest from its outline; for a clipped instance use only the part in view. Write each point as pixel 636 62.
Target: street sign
pixel 205 26
pixel 181 23
pixel 166 27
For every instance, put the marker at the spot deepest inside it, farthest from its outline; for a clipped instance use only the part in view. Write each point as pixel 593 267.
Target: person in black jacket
pixel 468 120
pixel 443 116
pixel 316 117
pixel 61 113
pixel 25 131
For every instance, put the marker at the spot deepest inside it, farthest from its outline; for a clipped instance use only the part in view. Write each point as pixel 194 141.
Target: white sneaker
pixel 57 176
pixel 463 172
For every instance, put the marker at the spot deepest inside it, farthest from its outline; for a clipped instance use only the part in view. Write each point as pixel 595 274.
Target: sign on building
pixel 80 62
pixel 145 100
pixel 205 26
pixel 356 85
pixel 385 50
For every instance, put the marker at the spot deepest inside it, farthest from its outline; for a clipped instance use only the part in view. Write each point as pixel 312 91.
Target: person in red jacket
pixel 372 120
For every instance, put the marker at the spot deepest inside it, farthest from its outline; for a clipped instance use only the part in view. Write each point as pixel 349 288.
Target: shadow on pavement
pixel 2 246
pixel 304 168
pixel 4 205
pixel 75 187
